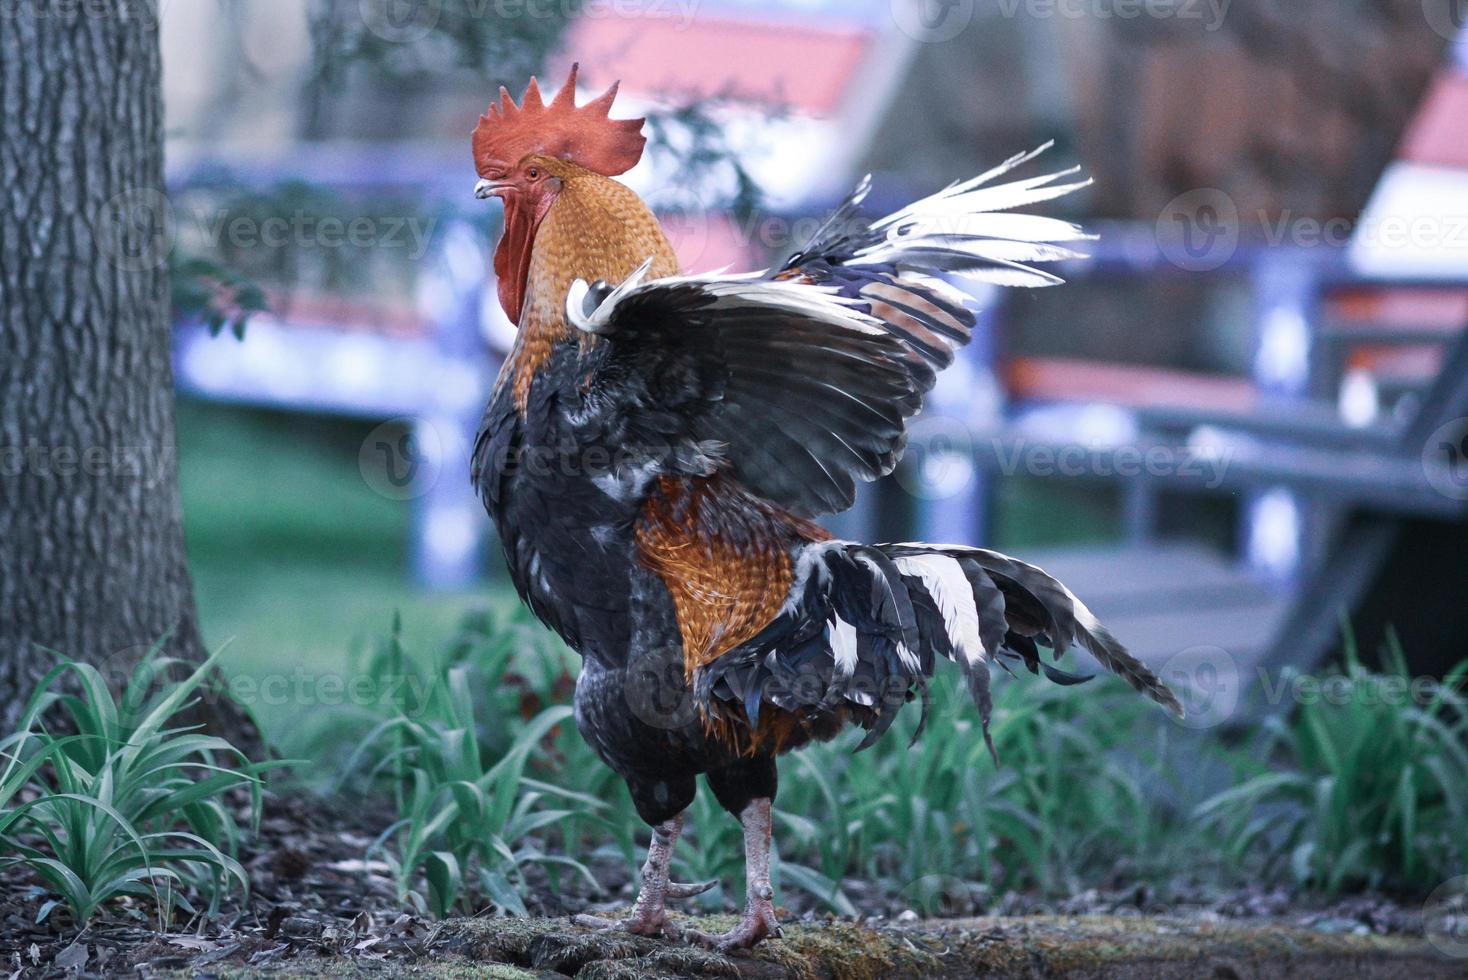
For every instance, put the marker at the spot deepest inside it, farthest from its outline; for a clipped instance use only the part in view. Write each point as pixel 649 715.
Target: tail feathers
pixel 865 625
pixel 1055 614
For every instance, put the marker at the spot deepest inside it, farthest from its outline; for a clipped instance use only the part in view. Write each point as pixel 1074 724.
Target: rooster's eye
pixel 533 174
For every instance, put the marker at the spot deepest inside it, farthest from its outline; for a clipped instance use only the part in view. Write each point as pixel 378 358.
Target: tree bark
pixel 92 560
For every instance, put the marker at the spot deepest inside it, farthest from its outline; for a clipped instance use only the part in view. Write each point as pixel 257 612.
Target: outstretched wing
pixel 804 376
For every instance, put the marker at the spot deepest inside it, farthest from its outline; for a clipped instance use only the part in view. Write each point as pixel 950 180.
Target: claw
pixel 659 924
pixel 648 916
pixel 593 922
pixel 679 890
pixel 758 923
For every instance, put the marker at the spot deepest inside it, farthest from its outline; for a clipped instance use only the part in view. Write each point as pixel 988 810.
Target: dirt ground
pixel 1041 946
pixel 316 908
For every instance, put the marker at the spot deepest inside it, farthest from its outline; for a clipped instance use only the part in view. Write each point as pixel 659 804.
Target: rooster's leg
pixel 759 919
pixel 649 916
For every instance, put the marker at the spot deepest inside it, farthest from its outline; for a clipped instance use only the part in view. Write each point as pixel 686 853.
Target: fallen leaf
pixel 73 957
pixel 191 942
pixel 223 952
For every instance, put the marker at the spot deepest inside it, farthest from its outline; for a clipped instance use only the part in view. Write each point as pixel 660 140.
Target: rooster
pixel 657 447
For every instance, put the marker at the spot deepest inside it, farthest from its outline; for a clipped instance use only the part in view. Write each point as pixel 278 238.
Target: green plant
pixel 1365 789
pixel 1092 782
pixel 124 805
pixel 466 820
pixel 1075 793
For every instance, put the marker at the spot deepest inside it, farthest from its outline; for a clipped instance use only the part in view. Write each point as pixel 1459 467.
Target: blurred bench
pixel 1331 484
pixel 1334 506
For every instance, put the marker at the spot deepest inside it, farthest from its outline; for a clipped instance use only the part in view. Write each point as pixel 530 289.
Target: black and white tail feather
pixel 865 625
pixel 805 376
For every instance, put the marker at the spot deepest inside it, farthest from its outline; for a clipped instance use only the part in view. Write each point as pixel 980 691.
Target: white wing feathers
pixel 965 229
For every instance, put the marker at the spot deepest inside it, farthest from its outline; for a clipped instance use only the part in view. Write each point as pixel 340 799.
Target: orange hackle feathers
pixel 597 229
pixel 585 136
pixel 724 556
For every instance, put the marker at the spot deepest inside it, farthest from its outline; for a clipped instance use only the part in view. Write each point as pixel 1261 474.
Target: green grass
pixel 297 562
pixel 1076 792
pixel 445 751
pixel 1095 785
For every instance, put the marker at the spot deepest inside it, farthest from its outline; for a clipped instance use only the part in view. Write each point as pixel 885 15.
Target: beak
pixel 486 189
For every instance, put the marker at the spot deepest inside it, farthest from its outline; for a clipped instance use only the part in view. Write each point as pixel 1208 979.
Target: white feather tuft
pixel 600 318
pixel 969 219
pixel 946 583
pixel 843 645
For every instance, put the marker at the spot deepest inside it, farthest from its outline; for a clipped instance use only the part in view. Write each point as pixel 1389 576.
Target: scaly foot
pixel 757 923
pixel 655 923
pixel 648 918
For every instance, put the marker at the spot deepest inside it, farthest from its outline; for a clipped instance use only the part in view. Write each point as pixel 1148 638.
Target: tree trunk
pixel 92 560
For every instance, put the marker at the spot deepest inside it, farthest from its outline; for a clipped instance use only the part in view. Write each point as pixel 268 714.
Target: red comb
pixel 585 135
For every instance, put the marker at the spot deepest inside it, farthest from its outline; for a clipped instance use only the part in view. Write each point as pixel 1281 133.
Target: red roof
pixel 1439 135
pixel 708 241
pixel 805 68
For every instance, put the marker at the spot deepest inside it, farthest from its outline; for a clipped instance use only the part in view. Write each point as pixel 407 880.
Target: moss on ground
pixel 1077 948
pixel 1102 946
